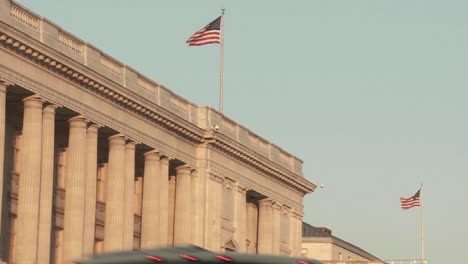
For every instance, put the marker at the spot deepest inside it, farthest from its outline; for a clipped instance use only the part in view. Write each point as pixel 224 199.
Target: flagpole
pixel 221 66
pixel 422 225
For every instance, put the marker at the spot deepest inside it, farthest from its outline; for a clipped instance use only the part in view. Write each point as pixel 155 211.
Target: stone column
pixel 252 224
pixel 240 219
pixel 164 202
pixel 171 204
pixel 138 195
pixel 47 185
pixel 197 209
pixel 292 233
pixel 59 246
pixel 276 228
pixel 296 244
pixel 91 183
pixel 213 213
pixel 102 182
pixel 183 206
pixel 265 226
pixel 29 183
pixel 3 90
pixel 129 195
pixel 115 197
pixel 75 190
pixel 62 168
pixel 150 208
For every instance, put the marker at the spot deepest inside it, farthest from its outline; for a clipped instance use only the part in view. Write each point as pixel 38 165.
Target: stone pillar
pixel 296 244
pixel 29 183
pixel 171 211
pixel 47 185
pixel 102 182
pixel 3 90
pixel 292 233
pixel 252 227
pixel 62 168
pixel 197 208
pixel 240 219
pixel 150 208
pixel 276 228
pixel 265 226
pixel 59 246
pixel 115 197
pixel 91 183
pixel 183 206
pixel 213 213
pixel 75 190
pixel 138 195
pixel 164 202
pixel 129 195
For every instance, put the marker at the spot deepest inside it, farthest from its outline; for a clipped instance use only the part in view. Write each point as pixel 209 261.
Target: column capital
pixel 4 84
pixel 184 169
pixel 241 188
pixel 78 121
pixel 33 101
pixel 228 183
pixel 251 204
pixel 165 160
pixel 266 202
pixel 216 178
pixel 276 206
pixel 297 215
pixel 118 136
pixel 130 145
pixel 286 210
pixel 152 155
pixel 93 128
pixel 50 108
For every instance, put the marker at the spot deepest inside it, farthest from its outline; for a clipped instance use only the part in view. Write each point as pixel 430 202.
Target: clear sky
pixel 371 95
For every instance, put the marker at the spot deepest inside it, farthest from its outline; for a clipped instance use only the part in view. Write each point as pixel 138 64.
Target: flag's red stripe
pixel 208 34
pixel 203 39
pixel 205 43
pixel 211 36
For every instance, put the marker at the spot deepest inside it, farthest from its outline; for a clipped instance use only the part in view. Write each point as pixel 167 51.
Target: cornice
pixel 84 80
pixel 260 166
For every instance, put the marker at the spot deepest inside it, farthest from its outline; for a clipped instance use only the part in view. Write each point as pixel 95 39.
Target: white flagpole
pixel 221 66
pixel 422 224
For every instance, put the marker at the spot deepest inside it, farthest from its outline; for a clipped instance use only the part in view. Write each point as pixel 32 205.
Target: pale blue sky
pixel 371 95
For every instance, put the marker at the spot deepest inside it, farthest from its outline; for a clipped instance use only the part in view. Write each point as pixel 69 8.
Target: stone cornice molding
pixel 86 81
pixel 300 184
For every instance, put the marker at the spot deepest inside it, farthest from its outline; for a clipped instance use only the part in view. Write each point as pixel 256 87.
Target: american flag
pixel 209 34
pixel 407 203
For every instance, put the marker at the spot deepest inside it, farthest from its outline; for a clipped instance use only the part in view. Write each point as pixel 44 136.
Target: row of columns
pixel 35 190
pixel 166 219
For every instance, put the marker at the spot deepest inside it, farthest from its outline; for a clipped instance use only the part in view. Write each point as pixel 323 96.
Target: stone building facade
pixel 99 158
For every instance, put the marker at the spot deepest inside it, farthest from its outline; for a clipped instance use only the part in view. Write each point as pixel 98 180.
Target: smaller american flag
pixel 209 34
pixel 407 203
